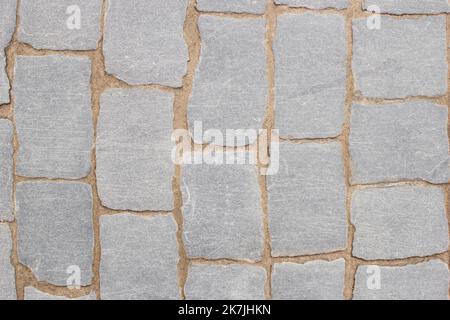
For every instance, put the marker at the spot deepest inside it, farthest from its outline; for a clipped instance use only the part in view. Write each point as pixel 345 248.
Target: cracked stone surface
pixel 409 6
pixel 238 6
pixel 424 281
pixel 53 116
pixel 129 245
pixel 151 49
pixel 310 95
pixel 6 170
pixel 233 282
pixel 7 274
pixel 55 229
pixel 315 4
pixel 7 26
pixel 36 295
pixel 60 25
pixel 405 141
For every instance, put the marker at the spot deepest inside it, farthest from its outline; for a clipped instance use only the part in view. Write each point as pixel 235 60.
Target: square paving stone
pixel 238 6
pixel 7 273
pixel 409 6
pixel 7 26
pixel 315 4
pixel 6 170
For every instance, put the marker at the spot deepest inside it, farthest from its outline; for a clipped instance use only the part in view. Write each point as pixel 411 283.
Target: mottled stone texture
pixel 232 282
pixel 307 200
pixel 408 6
pixel 49 24
pixel 6 170
pixel 53 116
pixel 55 229
pixel 238 6
pixel 399 222
pixel 405 57
pixel 144 41
pixel 424 281
pixel 404 141
pixel 7 276
pixel 230 85
pixel 35 295
pixel 134 148
pixel 139 258
pixel 310 70
pixel 315 4
pixel 7 26
pixel 317 280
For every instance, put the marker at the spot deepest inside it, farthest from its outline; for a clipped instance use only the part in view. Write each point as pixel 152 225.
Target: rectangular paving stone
pixel 53 116
pixel 231 282
pixel 37 295
pixel 307 200
pixel 6 170
pixel 60 25
pixel 310 82
pixel 424 281
pixel 316 280
pixel 405 57
pixel 55 229
pixel 7 273
pixel 134 149
pixel 230 85
pixel 238 6
pixel 7 26
pixel 139 258
pixel 315 4
pixel 222 211
pixel 399 222
pixel 144 41
pixel 405 141
pixel 409 6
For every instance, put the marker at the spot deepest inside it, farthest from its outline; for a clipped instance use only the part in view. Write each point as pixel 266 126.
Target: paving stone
pixel 307 200
pixel 399 222
pixel 310 82
pixel 238 6
pixel 424 281
pixel 55 230
pixel 6 170
pixel 230 85
pixel 7 26
pixel 144 41
pixel 232 282
pixel 222 212
pixel 7 274
pixel 316 280
pixel 139 258
pixel 134 148
pixel 403 58
pixel 60 25
pixel 409 6
pixel 53 116
pixel 395 142
pixel 34 294
pixel 315 4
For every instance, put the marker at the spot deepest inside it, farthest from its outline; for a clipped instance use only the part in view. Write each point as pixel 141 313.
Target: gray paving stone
pixel 424 281
pixel 134 165
pixel 399 222
pixel 310 82
pixel 409 6
pixel 7 273
pixel 55 229
pixel 238 6
pixel 315 4
pixel 405 57
pixel 7 26
pixel 48 24
pixel 144 41
pixel 232 282
pixel 222 212
pixel 6 170
pixel 139 258
pixel 399 142
pixel 35 295
pixel 53 116
pixel 316 280
pixel 230 85
pixel 307 200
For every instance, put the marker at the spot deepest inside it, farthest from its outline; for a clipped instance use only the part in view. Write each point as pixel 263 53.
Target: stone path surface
pixel 224 149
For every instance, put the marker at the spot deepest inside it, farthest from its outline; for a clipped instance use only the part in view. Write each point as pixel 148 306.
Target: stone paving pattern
pixel 87 180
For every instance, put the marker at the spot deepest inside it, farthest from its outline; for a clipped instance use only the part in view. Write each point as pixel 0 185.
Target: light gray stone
pixel 60 25
pixel 307 200
pixel 424 281
pixel 7 273
pixel 144 41
pixel 231 282
pixel 238 6
pixel 310 70
pixel 139 258
pixel 6 170
pixel 408 6
pixel 222 211
pixel 315 4
pixel 7 26
pixel 230 85
pixel 35 295
pixel 395 142
pixel 399 222
pixel 55 229
pixel 316 280
pixel 134 148
pixel 53 116
pixel 406 57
